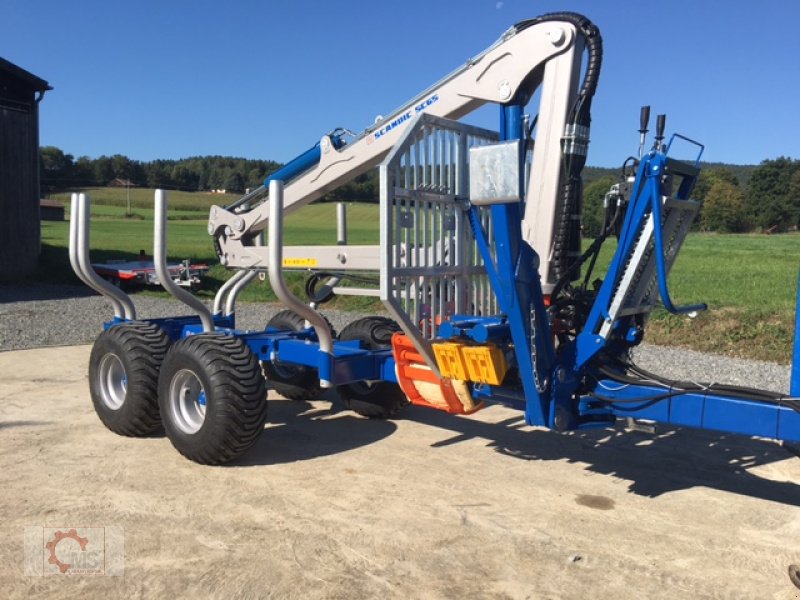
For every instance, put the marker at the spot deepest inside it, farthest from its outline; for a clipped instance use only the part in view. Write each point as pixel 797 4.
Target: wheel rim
pixel 113 381
pixel 187 401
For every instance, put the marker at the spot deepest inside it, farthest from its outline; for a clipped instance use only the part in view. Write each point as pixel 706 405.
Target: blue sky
pixel 168 79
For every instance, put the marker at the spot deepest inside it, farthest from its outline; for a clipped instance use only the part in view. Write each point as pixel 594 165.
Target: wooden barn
pixel 20 94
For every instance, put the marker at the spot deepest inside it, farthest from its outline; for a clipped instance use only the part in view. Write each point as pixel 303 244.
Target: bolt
pixel 562 375
pixel 557 36
pixel 342 258
pixel 239 224
pixel 504 89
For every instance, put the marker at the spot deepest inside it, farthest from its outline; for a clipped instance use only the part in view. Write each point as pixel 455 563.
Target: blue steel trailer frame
pixel 565 387
pixel 580 384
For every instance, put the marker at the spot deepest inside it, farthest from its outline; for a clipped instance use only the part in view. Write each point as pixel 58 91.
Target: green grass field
pixel 142 198
pixel 114 236
pixel 748 281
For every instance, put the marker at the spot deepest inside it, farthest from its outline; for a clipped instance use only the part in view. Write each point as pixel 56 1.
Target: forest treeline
pixel 736 198
pixel 61 171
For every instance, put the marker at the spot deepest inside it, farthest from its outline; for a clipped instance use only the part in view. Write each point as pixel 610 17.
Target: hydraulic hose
pixel 567 240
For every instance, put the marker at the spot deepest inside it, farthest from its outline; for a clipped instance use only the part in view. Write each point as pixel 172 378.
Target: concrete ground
pixel 330 505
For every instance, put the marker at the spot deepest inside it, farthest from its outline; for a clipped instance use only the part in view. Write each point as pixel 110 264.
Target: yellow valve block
pixel 482 364
pixel 450 359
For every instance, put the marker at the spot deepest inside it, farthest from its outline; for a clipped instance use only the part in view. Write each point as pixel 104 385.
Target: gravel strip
pixel 32 316
pixel 42 315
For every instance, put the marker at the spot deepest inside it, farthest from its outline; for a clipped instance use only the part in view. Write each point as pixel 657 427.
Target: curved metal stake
pixel 242 282
pixel 661 266
pixel 73 252
pixel 160 260
pixel 230 303
pixel 79 235
pixel 219 298
pixel 281 290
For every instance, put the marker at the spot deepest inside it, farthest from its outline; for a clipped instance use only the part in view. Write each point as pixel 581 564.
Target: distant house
pixel 219 191
pixel 20 236
pixel 51 210
pixel 117 182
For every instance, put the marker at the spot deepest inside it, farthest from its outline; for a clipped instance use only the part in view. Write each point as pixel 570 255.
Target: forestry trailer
pixel 489 295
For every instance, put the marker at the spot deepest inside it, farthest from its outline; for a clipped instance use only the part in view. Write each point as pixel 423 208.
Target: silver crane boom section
pixel 545 55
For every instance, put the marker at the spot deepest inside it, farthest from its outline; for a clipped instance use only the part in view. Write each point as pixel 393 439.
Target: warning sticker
pixel 299 262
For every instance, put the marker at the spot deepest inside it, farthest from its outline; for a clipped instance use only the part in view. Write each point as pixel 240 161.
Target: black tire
pixel 373 399
pixel 292 381
pixel 231 415
pixel 123 377
pixel 794 575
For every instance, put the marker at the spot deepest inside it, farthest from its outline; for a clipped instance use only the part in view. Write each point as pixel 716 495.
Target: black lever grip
pixel 661 124
pixel 644 119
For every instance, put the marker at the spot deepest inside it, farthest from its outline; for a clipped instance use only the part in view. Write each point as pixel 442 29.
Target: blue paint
pixel 701 410
pixel 520 292
pixel 308 159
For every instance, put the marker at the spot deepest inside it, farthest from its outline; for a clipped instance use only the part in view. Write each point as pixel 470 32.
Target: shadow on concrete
pixel 298 430
pixel 672 459
pixel 11 424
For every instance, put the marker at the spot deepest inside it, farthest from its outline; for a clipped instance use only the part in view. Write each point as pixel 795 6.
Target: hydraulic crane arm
pixel 541 53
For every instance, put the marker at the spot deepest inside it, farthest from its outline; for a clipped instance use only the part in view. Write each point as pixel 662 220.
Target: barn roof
pixel 28 79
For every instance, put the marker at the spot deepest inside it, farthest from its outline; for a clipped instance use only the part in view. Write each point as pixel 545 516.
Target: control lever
pixel 644 120
pixel 661 124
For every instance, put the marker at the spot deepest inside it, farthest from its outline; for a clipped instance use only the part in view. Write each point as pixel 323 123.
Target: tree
pixel 770 199
pixel 255 177
pixel 234 182
pixel 707 179
pixel 158 175
pixel 593 210
pixel 103 170
pixel 724 209
pixel 83 172
pixel 184 177
pixel 793 194
pixel 55 168
pixel 54 160
pixel 122 166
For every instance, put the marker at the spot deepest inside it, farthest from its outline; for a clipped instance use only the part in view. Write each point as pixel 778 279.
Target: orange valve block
pixel 424 387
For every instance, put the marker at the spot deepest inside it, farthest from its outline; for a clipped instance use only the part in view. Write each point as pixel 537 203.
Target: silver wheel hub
pixel 187 401
pixel 113 381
